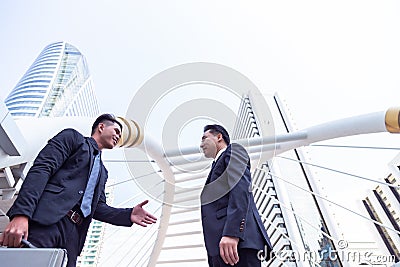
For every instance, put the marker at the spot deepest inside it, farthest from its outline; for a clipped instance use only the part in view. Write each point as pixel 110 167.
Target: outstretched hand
pixel 142 217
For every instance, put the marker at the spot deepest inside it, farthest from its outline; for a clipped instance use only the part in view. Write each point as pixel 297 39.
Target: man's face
pixel 110 134
pixel 208 144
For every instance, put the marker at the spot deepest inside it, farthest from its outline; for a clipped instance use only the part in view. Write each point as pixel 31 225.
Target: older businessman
pixel 233 231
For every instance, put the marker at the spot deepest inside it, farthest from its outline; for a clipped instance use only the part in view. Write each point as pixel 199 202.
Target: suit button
pixel 80 192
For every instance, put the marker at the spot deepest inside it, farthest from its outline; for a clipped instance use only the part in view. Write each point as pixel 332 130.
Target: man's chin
pixel 111 146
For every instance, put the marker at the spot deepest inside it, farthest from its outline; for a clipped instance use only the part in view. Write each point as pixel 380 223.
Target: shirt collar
pixel 95 147
pixel 219 153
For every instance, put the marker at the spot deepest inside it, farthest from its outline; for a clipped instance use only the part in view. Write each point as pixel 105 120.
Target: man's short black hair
pixel 104 118
pixel 216 129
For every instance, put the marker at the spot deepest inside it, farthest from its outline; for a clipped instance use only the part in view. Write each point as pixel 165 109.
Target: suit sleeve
pixel 48 161
pixel 108 214
pixel 239 180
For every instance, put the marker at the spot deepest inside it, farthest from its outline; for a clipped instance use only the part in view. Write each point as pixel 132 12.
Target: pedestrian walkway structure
pixel 175 182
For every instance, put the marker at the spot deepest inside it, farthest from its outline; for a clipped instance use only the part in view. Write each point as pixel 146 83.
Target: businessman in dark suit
pixel 58 198
pixel 233 231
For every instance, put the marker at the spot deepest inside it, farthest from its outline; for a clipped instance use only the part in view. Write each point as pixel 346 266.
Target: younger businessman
pixel 64 190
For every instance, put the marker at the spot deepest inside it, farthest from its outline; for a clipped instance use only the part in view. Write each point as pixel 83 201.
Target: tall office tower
pixel 57 84
pixel 296 226
pixel 382 205
pixel 91 250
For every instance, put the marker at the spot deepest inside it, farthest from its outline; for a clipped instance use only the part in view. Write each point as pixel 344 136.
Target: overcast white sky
pixel 329 60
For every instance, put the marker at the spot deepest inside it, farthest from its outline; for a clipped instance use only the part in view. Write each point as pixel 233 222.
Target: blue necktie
pixel 88 196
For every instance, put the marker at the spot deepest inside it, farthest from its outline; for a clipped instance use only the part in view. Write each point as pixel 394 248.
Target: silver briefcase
pixel 33 257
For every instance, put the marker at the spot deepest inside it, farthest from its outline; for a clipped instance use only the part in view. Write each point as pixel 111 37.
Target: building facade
pixel 383 205
pixel 57 84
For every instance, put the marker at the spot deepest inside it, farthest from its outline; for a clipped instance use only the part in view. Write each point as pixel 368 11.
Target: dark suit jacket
pixel 228 207
pixel 57 180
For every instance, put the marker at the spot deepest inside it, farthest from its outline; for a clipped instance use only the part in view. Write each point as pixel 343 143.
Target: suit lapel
pixel 209 175
pixel 101 177
pixel 215 164
pixel 91 151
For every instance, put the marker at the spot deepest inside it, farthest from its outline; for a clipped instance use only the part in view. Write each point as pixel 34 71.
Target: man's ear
pixel 101 127
pixel 219 137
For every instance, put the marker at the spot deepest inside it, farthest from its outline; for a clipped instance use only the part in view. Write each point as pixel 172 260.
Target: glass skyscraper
pixel 57 84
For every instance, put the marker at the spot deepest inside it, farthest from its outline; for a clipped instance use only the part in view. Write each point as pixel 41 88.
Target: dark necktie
pixel 213 164
pixel 88 196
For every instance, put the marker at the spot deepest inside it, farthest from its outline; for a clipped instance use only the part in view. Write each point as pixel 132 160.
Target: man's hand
pixel 142 217
pixel 16 229
pixel 228 249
